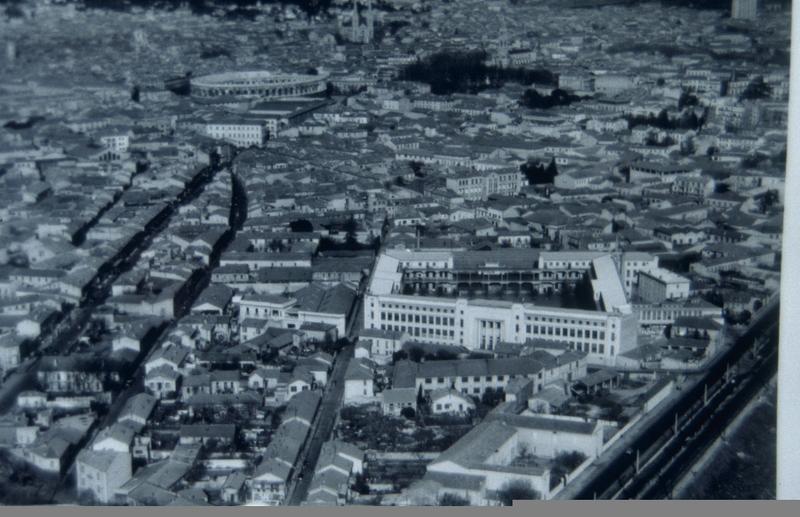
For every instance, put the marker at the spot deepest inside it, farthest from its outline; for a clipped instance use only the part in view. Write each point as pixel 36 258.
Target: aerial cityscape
pixel 390 252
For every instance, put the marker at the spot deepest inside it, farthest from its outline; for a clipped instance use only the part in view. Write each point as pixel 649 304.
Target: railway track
pixel 662 450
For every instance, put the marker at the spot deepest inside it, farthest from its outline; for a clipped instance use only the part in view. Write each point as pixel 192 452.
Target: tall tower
pixel 356 23
pixel 370 23
pixel 744 9
pixel 365 33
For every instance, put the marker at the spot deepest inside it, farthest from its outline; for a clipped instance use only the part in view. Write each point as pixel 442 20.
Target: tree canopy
pixel 449 72
pixel 310 7
pixel 538 174
pixel 687 99
pixel 688 120
pixel 558 97
pixel 517 491
pixel 756 89
pixel 301 225
pixel 452 500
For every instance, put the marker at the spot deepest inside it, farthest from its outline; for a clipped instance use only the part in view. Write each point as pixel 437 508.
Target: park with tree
pixel 450 72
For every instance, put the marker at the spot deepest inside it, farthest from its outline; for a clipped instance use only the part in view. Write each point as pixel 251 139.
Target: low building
pixel 269 481
pixel 312 304
pixel 118 437
pixel 658 285
pixel 665 313
pixel 102 472
pixel 483 461
pixel 382 343
pixel 697 328
pixel 450 401
pixel 213 300
pixel 394 400
pixel 475 376
pixel 264 378
pixel 11 351
pixel 337 464
pixel 233 489
pixel 223 434
pixel 137 409
pixel 162 381
pixel 358 383
pixel 51 450
pixel 241 132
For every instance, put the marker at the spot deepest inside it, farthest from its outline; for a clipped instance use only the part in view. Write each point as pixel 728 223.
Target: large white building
pixel 482 324
pixel 102 472
pixel 119 140
pixel 358 383
pixel 481 186
pixel 258 84
pixel 238 131
pixel 632 265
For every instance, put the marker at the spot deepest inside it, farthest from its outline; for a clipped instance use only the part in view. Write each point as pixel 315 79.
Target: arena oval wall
pixel 258 84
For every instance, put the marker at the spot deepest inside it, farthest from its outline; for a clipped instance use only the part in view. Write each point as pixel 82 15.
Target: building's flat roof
pixel 665 275
pixel 510 258
pixel 386 275
pixel 608 283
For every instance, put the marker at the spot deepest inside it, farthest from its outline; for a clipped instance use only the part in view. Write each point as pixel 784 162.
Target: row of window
pixel 668 314
pixel 549 330
pixel 418 308
pixel 563 264
pixel 421 332
pixel 427 274
pixel 402 317
pixel 418 318
pixel 475 378
pixel 566 321
pixel 440 407
pixel 256 311
pixel 231 130
pixel 593 348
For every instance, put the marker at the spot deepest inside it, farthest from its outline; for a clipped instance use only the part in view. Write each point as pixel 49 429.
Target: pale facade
pixel 660 284
pixel 481 186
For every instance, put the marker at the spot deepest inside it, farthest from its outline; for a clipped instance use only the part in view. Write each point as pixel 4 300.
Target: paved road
pixel 75 323
pixel 321 429
pixel 63 336
pixel 357 320
pixel 137 379
pixel 14 384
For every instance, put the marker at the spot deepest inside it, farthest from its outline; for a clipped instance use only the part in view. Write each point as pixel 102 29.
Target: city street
pixel 560 244
pixel 321 429
pixel 72 325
